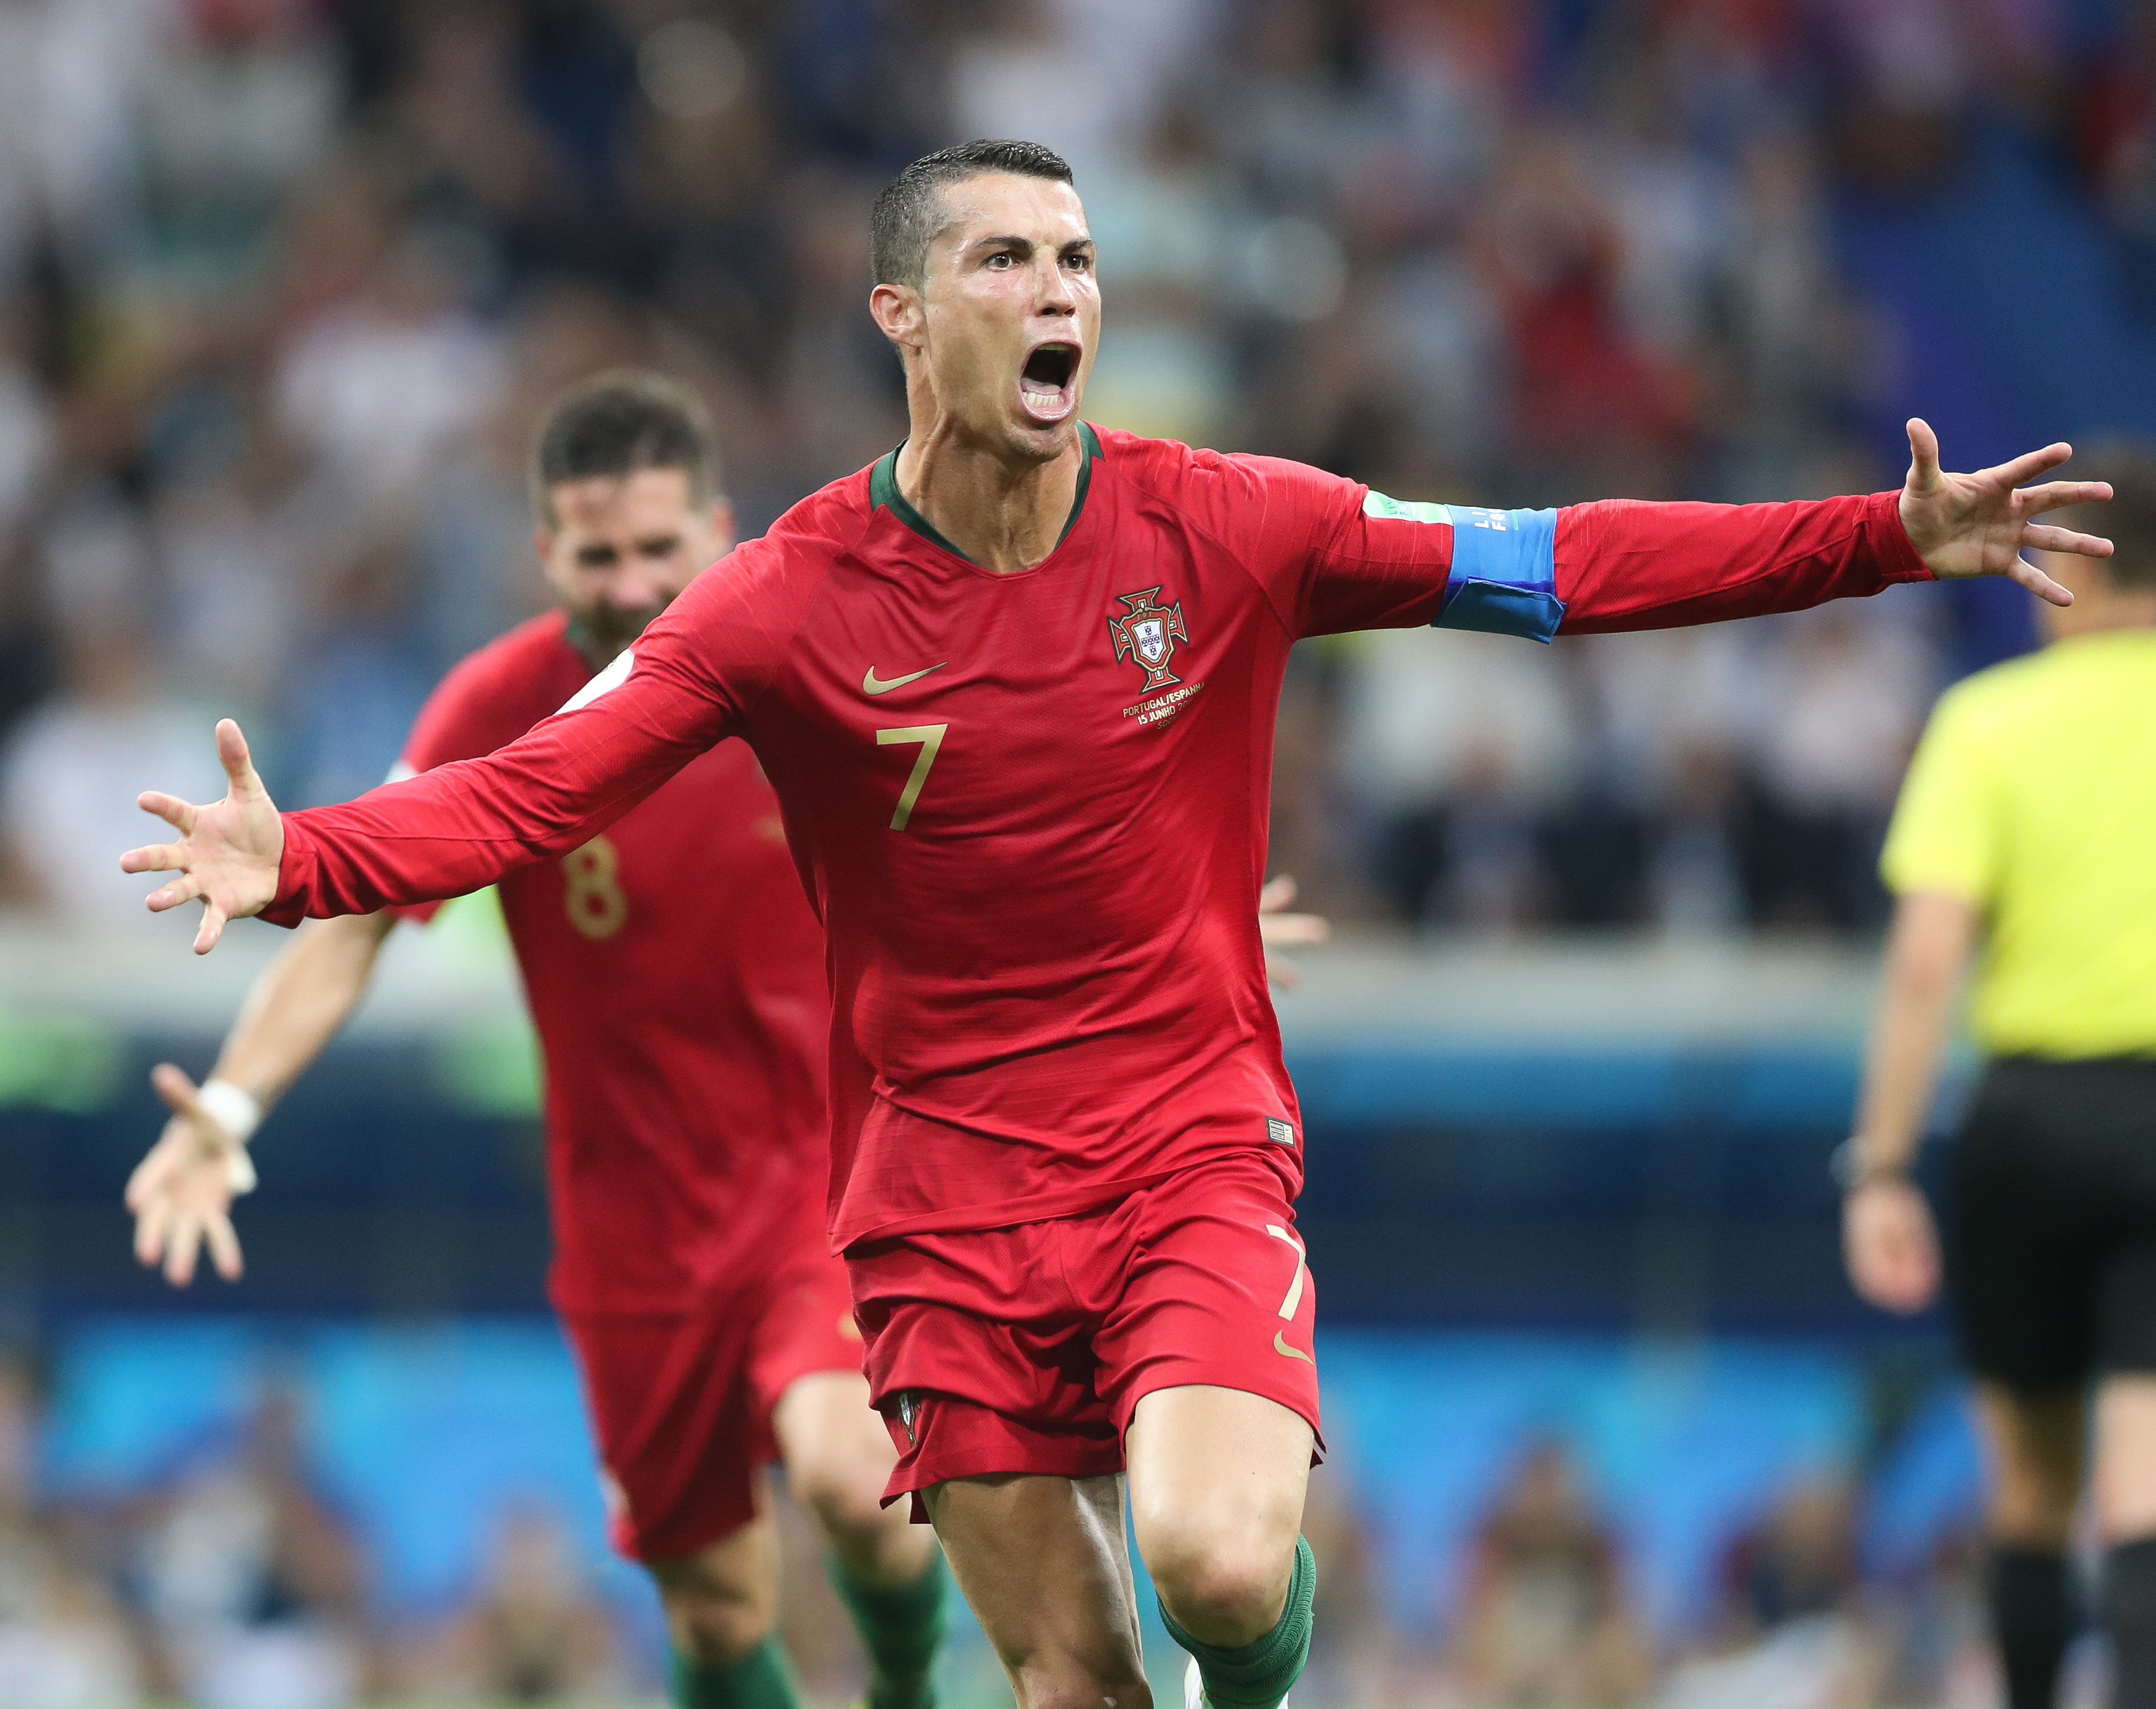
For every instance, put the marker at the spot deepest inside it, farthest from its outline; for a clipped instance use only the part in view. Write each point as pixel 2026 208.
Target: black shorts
pixel 2051 1242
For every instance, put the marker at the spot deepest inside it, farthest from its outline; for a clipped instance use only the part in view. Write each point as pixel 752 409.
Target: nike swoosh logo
pixel 874 684
pixel 1281 1346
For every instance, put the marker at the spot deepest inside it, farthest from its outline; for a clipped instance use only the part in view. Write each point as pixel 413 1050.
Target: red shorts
pixel 1027 1349
pixel 681 1405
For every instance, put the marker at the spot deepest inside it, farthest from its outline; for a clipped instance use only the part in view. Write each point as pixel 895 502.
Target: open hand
pixel 1978 525
pixel 1890 1243
pixel 1277 928
pixel 181 1192
pixel 228 853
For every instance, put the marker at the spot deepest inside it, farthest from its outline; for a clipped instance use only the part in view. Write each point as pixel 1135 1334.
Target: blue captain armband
pixel 1504 568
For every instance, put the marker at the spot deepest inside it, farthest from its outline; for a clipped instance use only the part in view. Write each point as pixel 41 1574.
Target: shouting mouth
pixel 1047 386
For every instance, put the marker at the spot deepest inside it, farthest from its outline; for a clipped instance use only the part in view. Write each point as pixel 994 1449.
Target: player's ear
pixel 898 312
pixel 722 528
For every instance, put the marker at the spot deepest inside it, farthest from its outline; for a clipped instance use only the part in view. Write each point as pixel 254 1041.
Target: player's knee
pixel 714 1621
pixel 846 1495
pixel 1225 1589
pixel 2033 1511
pixel 2035 1494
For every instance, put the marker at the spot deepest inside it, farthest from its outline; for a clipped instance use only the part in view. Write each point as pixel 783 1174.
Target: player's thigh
pixel 2125 1475
pixel 1217 1477
pixel 2035 1446
pixel 806 1365
pixel 835 1447
pixel 1042 1562
pixel 722 1600
pixel 1208 1356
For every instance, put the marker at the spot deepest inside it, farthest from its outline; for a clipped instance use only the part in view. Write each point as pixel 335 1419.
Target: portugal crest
pixel 1148 633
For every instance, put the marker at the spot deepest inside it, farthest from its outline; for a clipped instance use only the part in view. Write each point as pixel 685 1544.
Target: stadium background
pixel 281 286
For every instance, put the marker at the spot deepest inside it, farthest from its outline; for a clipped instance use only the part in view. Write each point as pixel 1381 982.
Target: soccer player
pixel 1016 687
pixel 2027 826
pixel 675 975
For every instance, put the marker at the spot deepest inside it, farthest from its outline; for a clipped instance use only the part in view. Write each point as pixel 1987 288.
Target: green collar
pixel 883 493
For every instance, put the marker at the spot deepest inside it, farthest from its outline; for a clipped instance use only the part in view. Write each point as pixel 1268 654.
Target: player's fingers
pixel 212 927
pixel 179 814
pixel 154 857
pixel 2064 495
pixel 223 1244
pixel 172 1085
pixel 1284 975
pixel 1279 893
pixel 2042 537
pixel 2037 582
pixel 149 1175
pixel 149 1223
pixel 1910 1288
pixel 1923 454
pixel 181 1242
pixel 2029 464
pixel 1890 1282
pixel 231 752
pixel 171 895
pixel 1915 1263
pixel 1286 929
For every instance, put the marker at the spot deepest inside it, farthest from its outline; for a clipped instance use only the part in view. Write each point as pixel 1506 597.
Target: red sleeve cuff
pixel 289 908
pixel 1892 548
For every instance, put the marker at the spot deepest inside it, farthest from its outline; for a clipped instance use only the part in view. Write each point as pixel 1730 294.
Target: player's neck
pixel 595 650
pixel 1005 516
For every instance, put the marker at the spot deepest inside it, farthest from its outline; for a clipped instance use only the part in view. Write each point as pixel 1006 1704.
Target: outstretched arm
pixel 459 827
pixel 1626 565
pixel 181 1192
pixel 1354 559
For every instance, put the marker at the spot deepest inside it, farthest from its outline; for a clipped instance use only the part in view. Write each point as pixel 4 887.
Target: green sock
pixel 900 1627
pixel 760 1680
pixel 1258 1676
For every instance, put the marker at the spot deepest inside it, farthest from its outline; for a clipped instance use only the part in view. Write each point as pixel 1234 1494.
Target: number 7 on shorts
pixel 1287 1306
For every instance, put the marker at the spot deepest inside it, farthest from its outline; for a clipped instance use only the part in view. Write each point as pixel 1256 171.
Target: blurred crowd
pixel 282 282
pixel 1543 1609
pixel 234 1580
pixel 234 1577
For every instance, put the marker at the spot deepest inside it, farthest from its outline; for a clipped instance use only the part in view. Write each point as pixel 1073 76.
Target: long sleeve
pixel 1334 557
pixel 1623 565
pixel 463 825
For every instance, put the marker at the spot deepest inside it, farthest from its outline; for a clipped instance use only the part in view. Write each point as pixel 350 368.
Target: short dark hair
pixel 907 215
pixel 2129 522
pixel 616 424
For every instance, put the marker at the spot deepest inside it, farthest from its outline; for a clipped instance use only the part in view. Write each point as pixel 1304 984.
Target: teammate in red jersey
pixel 1015 688
pixel 675 975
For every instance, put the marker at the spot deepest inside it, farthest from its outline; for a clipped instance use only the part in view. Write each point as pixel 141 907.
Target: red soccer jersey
pixel 676 977
pixel 1031 808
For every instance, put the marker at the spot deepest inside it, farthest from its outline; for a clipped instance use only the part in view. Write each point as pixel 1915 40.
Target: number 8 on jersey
pixel 597 906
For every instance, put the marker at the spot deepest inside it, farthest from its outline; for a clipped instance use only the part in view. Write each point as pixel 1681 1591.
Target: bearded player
pixel 1015 686
pixel 675 975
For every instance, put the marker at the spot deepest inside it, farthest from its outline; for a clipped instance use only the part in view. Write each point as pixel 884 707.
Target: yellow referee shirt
pixel 2033 795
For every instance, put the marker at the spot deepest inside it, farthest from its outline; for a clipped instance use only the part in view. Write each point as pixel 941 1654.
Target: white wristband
pixel 238 1112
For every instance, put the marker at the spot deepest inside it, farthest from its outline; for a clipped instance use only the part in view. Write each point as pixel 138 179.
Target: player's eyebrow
pixel 1025 246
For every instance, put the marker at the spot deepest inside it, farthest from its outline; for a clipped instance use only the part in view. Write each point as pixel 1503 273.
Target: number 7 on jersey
pixel 931 738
